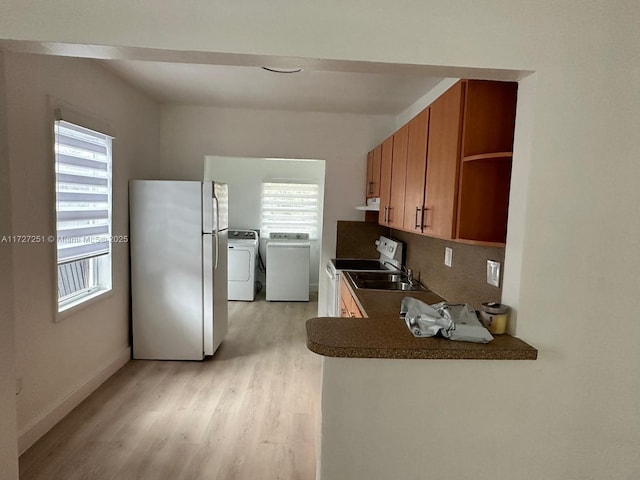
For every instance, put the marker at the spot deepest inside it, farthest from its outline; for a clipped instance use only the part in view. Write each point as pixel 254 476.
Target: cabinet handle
pixel 424 209
pixel 418 224
pixel 352 315
pixel 386 209
pixel 389 216
pixel 370 188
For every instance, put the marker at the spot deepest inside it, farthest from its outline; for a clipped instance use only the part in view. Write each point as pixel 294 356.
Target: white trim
pixel 74 114
pixel 35 429
pixel 81 302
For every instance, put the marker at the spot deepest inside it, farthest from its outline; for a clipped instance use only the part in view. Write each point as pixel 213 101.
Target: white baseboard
pixel 43 423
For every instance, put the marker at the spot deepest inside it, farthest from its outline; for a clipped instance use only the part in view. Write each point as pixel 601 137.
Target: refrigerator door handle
pixel 216 214
pixel 217 254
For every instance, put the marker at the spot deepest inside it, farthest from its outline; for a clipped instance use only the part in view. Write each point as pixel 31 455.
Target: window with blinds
pixel 290 207
pixel 83 212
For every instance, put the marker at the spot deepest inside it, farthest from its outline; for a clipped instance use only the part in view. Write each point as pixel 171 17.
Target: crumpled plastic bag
pixel 455 321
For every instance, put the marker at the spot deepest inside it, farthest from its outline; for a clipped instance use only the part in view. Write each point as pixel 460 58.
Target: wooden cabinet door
pixel 348 305
pixel 345 298
pixel 355 311
pixel 369 180
pixel 386 157
pixel 443 158
pixel 395 216
pixel 375 172
pixel 416 172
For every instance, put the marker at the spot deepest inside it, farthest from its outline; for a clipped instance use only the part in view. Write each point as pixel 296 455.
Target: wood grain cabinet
pixel 373 172
pixel 440 195
pixel 447 172
pixel 386 157
pixel 485 163
pixel 416 172
pixel 348 305
pixel 392 178
pixel 395 214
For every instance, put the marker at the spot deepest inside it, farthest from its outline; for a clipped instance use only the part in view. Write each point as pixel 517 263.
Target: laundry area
pixel 275 226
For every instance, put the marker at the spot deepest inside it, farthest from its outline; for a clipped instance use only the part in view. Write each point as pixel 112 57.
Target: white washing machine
pixel 242 255
pixel 288 265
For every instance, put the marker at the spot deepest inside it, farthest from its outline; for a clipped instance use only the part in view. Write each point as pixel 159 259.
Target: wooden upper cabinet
pixel 447 172
pixel 386 160
pixel 416 172
pixel 489 117
pixel 368 186
pixel 485 169
pixel 395 216
pixel 373 172
pixel 445 127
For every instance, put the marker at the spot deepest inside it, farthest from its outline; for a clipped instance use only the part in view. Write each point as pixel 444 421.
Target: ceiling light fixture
pixel 282 70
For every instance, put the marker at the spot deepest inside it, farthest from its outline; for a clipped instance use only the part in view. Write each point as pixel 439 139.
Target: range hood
pixel 373 205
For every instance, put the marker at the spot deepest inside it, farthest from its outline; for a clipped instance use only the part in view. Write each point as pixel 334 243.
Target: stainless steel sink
pixel 378 276
pixel 385 281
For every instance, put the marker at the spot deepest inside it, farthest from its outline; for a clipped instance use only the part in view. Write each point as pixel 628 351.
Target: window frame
pixel 102 265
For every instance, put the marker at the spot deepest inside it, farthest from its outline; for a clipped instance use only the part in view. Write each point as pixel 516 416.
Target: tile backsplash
pixel 357 239
pixel 464 281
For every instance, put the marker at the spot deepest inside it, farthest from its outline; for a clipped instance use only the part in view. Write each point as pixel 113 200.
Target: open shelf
pixel 484 199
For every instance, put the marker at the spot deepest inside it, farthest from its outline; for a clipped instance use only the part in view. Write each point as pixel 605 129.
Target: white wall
pixel 580 261
pixel 60 363
pixel 188 134
pixel 245 176
pixel 8 439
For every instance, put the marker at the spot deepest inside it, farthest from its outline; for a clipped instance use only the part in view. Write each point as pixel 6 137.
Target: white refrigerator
pixel 178 245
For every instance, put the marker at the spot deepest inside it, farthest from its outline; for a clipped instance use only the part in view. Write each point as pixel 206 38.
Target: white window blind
pixel 83 192
pixel 290 207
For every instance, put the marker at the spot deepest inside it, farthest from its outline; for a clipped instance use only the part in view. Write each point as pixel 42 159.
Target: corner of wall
pixel 8 420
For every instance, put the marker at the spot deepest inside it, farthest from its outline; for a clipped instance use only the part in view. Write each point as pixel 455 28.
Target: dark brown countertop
pixel 385 335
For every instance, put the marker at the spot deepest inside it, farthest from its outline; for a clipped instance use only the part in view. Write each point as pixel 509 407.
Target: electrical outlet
pixel 493 273
pixel 448 256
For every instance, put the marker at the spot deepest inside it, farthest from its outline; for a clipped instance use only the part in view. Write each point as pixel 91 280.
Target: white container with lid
pixel 494 317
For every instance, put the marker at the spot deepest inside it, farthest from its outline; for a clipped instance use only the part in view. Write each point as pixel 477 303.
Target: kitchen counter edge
pixel 385 335
pixel 345 338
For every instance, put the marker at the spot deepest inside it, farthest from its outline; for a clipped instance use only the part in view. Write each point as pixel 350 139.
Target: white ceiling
pixel 242 86
pixel 237 81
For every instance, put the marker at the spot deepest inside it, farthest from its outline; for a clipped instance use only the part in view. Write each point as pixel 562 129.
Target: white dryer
pixel 242 255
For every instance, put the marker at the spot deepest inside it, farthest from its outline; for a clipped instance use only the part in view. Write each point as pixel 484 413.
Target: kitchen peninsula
pixel 384 335
pixel 383 410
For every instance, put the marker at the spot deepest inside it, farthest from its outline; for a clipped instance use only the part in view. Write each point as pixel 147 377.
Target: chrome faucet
pixel 410 276
pixel 407 271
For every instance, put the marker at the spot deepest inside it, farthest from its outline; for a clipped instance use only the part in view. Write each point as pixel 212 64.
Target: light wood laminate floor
pixel 250 412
